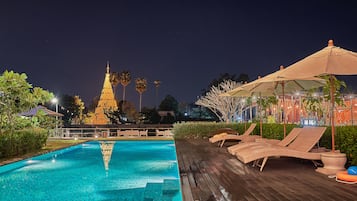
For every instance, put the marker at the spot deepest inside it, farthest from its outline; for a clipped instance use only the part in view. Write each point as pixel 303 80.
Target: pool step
pixel 170 186
pixel 164 191
pixel 134 194
pixel 153 191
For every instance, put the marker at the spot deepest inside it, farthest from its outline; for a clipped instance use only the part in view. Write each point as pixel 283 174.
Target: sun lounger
pixel 128 133
pixel 165 133
pixel 143 132
pixel 263 142
pixel 299 148
pixel 223 130
pixel 222 137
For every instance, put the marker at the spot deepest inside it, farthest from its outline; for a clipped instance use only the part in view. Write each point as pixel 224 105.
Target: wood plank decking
pixel 211 173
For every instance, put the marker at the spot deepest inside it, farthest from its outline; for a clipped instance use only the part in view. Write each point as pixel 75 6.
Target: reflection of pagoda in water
pixel 107 150
pixel 106 102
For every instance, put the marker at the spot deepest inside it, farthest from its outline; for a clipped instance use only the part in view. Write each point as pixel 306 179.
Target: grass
pixel 52 145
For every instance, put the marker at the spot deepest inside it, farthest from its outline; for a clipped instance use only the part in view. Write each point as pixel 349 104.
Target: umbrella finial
pixel 281 67
pixel 330 43
pixel 259 77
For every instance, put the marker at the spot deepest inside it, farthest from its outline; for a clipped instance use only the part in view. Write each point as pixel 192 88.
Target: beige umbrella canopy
pixel 276 84
pixel 331 60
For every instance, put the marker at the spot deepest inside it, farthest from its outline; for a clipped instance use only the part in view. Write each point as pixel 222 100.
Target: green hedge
pixel 345 141
pixel 20 142
pixel 194 130
pixel 345 138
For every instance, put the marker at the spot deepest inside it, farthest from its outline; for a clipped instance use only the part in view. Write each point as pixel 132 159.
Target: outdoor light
pixel 55 101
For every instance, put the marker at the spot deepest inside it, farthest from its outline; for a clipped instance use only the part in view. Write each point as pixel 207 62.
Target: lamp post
pixel 55 101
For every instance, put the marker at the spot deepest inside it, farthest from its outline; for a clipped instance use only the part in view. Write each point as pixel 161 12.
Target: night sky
pixel 63 46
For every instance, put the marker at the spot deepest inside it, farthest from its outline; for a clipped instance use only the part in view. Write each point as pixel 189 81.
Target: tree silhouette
pixel 141 85
pixel 157 85
pixel 125 79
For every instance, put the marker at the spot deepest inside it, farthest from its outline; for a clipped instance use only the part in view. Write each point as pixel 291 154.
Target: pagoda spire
pixel 106 101
pixel 108 67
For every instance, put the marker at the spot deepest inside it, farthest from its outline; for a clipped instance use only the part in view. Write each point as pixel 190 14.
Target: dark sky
pixel 63 46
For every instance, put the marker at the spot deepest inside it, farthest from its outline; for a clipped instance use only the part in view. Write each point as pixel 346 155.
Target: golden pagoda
pixel 106 102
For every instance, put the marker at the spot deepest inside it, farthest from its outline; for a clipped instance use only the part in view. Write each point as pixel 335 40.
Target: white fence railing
pixel 111 132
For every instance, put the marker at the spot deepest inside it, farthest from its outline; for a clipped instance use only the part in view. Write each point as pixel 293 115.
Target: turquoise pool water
pixel 137 170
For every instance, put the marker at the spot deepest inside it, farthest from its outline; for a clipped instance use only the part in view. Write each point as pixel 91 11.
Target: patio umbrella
pixel 330 61
pixel 274 84
pixel 241 91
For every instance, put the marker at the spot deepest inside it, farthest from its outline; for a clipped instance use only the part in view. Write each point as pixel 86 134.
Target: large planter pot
pixel 333 162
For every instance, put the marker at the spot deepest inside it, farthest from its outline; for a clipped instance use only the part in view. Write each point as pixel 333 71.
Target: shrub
pixel 21 142
pixel 206 129
pixel 346 142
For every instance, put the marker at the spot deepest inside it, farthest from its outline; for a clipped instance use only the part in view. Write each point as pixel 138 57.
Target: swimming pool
pixel 116 170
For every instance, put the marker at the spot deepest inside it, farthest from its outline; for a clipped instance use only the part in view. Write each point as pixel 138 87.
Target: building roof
pixel 34 111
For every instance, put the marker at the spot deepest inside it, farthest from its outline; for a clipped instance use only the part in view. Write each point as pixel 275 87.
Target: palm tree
pixel 140 87
pixel 157 85
pixel 114 81
pixel 125 79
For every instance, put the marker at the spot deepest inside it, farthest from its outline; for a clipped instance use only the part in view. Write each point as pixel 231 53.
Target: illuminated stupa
pixel 106 102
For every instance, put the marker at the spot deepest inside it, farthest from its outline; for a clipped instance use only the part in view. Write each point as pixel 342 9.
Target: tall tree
pixel 128 110
pixel 114 81
pixel 141 86
pixel 157 84
pixel 80 105
pixel 169 104
pixel 16 96
pixel 125 79
pixel 68 108
pixel 225 108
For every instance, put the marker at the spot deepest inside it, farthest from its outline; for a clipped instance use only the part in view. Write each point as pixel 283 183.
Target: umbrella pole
pixel 260 115
pixel 284 116
pixel 332 97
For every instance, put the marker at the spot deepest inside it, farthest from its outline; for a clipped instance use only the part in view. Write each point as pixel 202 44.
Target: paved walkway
pixel 211 173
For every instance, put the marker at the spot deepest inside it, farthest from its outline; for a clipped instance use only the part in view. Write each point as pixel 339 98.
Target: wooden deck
pixel 211 173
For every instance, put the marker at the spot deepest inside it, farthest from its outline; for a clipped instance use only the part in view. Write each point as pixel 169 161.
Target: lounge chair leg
pixel 222 143
pixel 317 164
pixel 263 163
pixel 255 163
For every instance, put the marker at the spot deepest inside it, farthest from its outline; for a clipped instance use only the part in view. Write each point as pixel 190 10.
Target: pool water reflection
pixel 134 170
